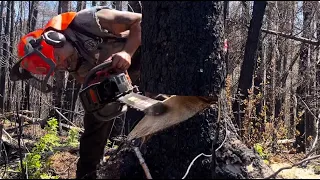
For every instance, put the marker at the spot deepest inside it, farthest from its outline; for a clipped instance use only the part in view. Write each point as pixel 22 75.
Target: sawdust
pixel 180 108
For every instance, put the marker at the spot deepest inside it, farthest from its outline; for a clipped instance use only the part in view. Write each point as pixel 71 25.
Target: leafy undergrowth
pixel 48 158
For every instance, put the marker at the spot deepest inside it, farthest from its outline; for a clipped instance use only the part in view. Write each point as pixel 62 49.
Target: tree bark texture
pixel 184 36
pixel 169 153
pixel 250 60
pixel 248 65
pixel 174 51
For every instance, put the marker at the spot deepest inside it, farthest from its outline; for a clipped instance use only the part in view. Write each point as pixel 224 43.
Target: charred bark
pixel 178 49
pixel 169 153
pixel 170 66
pixel 249 62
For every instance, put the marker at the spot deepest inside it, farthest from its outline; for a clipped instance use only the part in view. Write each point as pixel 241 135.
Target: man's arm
pixel 117 22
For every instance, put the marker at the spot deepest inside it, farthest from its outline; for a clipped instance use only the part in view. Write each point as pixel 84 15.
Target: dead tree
pixel 5 56
pixel 182 55
pixel 58 78
pixel 249 62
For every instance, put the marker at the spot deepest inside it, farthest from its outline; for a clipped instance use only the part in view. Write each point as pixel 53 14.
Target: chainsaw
pixel 107 94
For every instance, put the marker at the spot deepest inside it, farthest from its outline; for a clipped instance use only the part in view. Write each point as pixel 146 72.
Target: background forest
pixel 277 113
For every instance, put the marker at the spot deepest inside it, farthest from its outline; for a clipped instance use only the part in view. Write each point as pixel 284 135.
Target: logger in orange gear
pixel 76 42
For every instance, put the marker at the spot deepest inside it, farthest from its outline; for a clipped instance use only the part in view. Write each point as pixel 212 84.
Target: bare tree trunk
pixel 12 37
pixel 2 36
pixel 2 5
pixel 72 87
pixel 249 62
pixel 59 78
pixel 80 5
pixel 31 24
pixel 5 55
pixel 289 104
pixel 168 68
pixel 307 120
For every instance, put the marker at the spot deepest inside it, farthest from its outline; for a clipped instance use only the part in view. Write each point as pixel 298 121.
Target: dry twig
pixel 142 162
pixel 289 167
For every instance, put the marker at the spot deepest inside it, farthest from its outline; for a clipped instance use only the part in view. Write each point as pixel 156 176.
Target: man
pixel 76 42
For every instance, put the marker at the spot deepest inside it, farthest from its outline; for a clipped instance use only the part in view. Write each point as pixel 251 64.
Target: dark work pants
pixel 96 133
pixel 92 144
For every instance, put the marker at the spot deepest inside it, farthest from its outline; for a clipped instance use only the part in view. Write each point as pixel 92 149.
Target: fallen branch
pixel 317 123
pixel 142 162
pixel 64 117
pixel 12 142
pixel 24 117
pixel 289 36
pixel 72 127
pixel 289 167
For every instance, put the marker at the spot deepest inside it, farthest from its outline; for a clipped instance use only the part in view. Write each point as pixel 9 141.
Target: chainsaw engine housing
pixel 101 96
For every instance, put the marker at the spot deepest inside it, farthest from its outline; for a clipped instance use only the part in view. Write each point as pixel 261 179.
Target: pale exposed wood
pixel 180 108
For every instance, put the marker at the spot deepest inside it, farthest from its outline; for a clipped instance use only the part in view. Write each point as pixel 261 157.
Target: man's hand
pixel 121 61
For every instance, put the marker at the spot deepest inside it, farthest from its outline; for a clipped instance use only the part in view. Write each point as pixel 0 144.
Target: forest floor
pixel 297 172
pixel 64 163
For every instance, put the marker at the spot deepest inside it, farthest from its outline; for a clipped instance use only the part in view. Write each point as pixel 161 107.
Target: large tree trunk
pixel 186 44
pixel 177 60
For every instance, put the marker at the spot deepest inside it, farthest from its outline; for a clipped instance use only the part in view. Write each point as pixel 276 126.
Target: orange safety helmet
pixel 37 58
pixel 32 62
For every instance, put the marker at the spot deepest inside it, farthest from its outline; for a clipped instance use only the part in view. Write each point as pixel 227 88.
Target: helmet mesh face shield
pixel 36 57
pixel 36 52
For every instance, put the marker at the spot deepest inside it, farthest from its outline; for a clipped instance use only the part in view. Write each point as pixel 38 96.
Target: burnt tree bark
pixel 184 57
pixel 183 41
pixel 250 55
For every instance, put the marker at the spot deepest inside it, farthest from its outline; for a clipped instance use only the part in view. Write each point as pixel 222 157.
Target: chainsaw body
pixel 107 94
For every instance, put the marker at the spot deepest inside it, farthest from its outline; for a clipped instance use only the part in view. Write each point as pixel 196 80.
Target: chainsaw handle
pixel 107 65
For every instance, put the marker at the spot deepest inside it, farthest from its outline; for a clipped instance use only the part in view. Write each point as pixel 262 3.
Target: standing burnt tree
pixel 182 55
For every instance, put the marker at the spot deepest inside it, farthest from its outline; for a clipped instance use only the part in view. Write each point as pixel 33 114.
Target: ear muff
pixel 54 38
